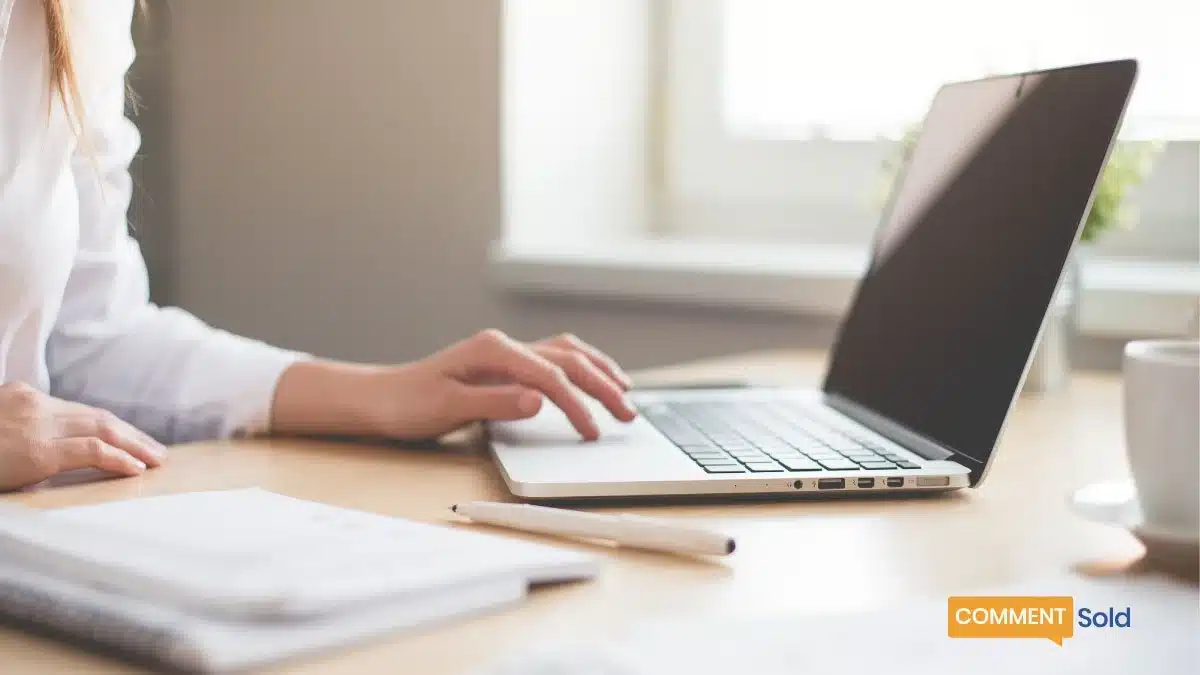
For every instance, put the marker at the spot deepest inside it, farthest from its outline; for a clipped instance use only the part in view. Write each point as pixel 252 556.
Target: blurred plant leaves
pixel 1128 165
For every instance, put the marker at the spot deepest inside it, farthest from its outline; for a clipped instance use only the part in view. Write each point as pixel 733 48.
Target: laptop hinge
pixel 883 426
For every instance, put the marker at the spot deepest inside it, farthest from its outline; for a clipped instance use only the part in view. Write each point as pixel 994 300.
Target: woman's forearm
pixel 329 397
pixel 487 377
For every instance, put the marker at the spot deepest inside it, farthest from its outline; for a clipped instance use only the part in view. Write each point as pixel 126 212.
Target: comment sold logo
pixel 1049 617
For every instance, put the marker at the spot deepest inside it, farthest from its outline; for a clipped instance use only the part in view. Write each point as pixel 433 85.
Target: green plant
pixel 1127 167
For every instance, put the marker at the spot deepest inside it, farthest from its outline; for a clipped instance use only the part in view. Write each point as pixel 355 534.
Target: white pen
pixel 624 530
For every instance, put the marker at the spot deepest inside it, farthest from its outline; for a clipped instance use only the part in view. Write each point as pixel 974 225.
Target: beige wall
pixel 325 175
pixel 333 170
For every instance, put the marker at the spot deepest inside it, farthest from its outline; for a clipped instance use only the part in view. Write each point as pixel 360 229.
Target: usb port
pixel 895 482
pixel 831 483
pixel 866 482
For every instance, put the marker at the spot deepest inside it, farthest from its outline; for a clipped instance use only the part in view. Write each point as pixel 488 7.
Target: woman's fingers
pixel 115 432
pixel 598 358
pixel 501 402
pixel 84 453
pixel 591 379
pixel 492 353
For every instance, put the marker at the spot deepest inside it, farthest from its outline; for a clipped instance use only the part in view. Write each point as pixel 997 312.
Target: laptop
pixel 934 348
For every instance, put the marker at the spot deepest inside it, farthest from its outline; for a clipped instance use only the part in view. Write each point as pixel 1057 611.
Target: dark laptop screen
pixel 970 250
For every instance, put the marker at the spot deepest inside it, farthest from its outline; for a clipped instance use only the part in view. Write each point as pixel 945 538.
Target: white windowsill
pixel 1121 298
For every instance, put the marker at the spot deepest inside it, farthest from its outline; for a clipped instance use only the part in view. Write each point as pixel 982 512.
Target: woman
pixel 93 375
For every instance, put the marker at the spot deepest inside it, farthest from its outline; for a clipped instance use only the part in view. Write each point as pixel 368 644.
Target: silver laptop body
pixel 934 349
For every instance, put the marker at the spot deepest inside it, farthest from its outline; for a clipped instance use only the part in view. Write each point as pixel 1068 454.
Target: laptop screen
pixel 970 250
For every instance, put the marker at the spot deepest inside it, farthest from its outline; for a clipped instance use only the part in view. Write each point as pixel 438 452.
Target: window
pixel 730 152
pixel 778 108
pixel 795 69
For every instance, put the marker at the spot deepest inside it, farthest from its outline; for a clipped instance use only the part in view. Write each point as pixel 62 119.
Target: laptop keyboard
pixel 726 437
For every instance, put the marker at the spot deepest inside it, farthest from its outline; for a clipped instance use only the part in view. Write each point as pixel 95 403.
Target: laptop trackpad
pixel 546 448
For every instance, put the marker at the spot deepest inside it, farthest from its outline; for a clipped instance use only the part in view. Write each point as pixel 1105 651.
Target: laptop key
pixel 755 458
pixel 764 467
pixel 707 455
pixel 907 465
pixel 840 464
pixel 685 437
pixel 725 468
pixel 796 461
pixel 846 446
pixel 707 461
pixel 877 465
pixel 799 464
pixel 711 458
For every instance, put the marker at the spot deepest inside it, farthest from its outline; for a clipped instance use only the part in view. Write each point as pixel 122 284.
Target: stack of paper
pixel 221 581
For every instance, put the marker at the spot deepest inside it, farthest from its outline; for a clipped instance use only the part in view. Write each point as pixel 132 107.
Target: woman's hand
pixel 41 436
pixel 493 377
pixel 487 377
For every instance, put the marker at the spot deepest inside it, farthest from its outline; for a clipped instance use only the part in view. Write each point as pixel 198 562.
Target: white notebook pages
pixel 218 581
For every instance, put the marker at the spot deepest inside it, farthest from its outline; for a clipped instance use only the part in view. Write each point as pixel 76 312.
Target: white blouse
pixel 75 316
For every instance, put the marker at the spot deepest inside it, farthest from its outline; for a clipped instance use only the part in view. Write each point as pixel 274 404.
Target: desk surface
pixel 808 556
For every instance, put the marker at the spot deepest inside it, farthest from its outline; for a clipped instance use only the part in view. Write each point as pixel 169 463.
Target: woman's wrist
pixel 331 397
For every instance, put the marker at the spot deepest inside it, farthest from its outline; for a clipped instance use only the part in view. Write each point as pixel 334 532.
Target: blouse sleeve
pixel 160 369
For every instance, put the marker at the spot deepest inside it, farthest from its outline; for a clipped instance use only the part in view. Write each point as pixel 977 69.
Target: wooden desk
pixel 809 556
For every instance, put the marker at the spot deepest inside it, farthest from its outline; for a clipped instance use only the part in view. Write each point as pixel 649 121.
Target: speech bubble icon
pixel 1011 616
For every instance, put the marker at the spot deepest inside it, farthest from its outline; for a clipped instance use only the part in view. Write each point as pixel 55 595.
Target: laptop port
pixel 895 482
pixel 866 482
pixel 798 484
pixel 831 483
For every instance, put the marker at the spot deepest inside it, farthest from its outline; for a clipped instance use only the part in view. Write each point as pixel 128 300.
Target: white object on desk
pixel 254 553
pixel 1116 503
pixel 624 530
pixel 192 642
pixel 1162 432
pixel 214 581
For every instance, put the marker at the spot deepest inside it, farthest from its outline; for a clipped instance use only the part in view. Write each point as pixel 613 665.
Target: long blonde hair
pixel 63 79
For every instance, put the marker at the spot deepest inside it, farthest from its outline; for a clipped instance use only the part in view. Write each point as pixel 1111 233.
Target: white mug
pixel 1162 430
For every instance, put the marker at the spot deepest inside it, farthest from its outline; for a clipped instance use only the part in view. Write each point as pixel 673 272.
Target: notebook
pixel 227 580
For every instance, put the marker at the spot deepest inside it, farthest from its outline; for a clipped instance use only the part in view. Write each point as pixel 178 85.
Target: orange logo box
pixel 1010 616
